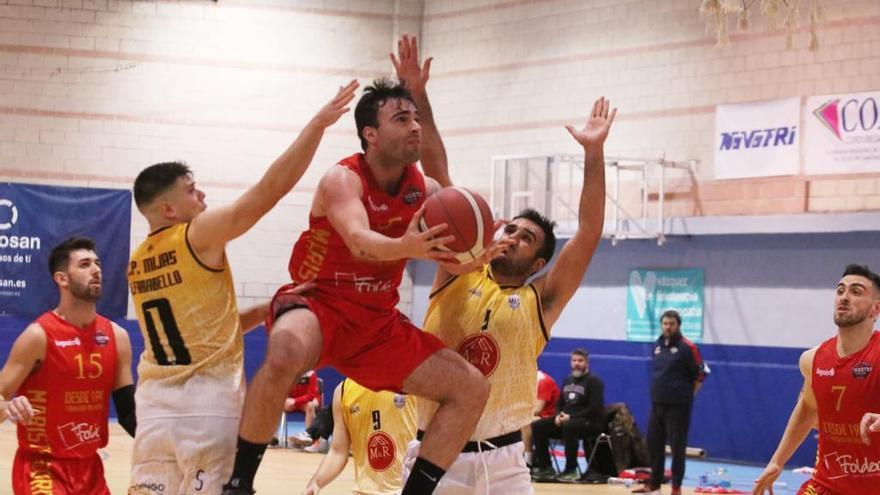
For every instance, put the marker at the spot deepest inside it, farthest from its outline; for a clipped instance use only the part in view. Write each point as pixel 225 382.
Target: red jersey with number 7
pixel 70 390
pixel 845 389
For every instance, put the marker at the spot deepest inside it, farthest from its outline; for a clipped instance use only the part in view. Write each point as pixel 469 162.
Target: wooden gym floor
pixel 283 471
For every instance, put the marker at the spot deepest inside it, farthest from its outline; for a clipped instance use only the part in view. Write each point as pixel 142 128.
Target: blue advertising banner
pixel 651 292
pixel 35 218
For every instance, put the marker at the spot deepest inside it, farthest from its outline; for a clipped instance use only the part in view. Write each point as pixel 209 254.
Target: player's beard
pixel 511 268
pixel 86 292
pixel 850 319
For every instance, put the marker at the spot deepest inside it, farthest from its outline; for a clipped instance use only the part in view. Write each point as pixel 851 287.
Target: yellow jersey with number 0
pixel 193 352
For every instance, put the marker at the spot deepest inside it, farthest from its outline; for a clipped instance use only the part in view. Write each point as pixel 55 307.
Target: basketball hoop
pixel 717 13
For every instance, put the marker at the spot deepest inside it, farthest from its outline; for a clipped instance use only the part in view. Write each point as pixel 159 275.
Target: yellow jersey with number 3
pixel 498 329
pixel 380 425
pixel 193 350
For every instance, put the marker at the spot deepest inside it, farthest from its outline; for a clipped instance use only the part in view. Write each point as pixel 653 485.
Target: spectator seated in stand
pixel 581 417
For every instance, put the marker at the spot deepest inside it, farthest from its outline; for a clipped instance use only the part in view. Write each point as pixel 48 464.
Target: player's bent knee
pixel 474 389
pixel 285 355
pixel 481 389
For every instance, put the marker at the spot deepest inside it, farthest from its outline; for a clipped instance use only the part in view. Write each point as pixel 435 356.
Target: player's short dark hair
pixel 580 351
pixel 156 179
pixel 546 251
pixel 863 271
pixel 366 113
pixel 59 257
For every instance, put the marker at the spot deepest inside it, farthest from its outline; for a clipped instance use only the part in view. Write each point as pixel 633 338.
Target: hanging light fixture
pixel 776 13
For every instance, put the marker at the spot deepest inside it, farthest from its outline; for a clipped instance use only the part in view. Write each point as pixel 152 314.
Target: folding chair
pixel 602 438
pixel 281 434
pixel 556 443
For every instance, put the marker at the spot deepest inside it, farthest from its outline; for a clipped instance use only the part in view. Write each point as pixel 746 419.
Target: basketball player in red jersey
pixel 841 383
pixel 363 227
pixel 63 369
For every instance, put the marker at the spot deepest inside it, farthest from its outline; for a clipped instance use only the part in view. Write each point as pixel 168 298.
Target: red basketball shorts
pixel 34 474
pixel 812 487
pixel 377 350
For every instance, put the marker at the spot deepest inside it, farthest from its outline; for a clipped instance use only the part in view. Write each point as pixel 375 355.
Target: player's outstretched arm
pixel 28 350
pixel 123 384
pixel 564 277
pixel 212 229
pixel 801 421
pixel 334 462
pixel 416 76
pixel 339 198
pixel 251 317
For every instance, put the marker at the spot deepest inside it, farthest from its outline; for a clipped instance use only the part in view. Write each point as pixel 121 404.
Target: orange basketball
pixel 468 217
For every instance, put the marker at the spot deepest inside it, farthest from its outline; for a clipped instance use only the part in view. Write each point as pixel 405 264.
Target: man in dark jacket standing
pixel 678 375
pixel 581 406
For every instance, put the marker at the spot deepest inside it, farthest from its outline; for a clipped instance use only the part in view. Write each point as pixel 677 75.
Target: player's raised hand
pixel 498 246
pixel 870 424
pixel 764 483
pixel 406 64
pixel 426 245
pixel 594 132
pixel 19 410
pixel 495 250
pixel 330 113
pixel 491 252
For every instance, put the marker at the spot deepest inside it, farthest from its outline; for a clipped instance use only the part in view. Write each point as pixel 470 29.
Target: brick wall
pixel 92 91
pixel 509 74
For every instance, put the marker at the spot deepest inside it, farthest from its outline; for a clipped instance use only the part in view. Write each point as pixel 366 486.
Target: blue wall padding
pixel 739 415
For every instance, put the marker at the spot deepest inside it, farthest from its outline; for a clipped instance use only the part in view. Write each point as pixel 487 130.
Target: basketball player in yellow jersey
pixel 497 321
pixel 376 428
pixel 191 375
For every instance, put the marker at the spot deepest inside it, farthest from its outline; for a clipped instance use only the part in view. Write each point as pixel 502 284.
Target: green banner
pixel 651 292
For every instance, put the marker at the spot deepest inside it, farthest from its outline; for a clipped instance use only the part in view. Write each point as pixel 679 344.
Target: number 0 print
pixel 159 317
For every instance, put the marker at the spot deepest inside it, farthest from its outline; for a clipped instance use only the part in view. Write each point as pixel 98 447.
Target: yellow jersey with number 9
pixel 380 425
pixel 193 350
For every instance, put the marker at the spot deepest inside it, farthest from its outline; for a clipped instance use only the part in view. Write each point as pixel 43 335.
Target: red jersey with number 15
pixel 845 389
pixel 343 279
pixel 70 391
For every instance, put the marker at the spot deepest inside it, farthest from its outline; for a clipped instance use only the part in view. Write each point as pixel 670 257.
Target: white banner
pixel 757 139
pixel 842 134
